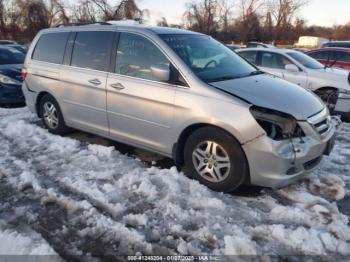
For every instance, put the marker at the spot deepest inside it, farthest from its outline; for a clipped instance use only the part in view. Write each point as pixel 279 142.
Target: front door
pixel 140 108
pixel 270 62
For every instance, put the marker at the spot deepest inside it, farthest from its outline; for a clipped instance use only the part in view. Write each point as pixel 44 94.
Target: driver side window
pixel 273 60
pixel 136 55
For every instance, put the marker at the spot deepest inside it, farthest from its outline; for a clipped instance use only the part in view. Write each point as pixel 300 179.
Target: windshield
pixel 209 60
pixel 11 56
pixel 306 61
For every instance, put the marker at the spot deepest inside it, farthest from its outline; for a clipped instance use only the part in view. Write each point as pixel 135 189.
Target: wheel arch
pixel 326 88
pixel 37 102
pixel 179 146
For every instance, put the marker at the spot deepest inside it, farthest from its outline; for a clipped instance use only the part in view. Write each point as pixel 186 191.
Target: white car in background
pixel 332 85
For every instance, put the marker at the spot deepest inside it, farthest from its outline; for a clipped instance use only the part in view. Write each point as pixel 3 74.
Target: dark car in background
pixel 8 42
pixel 344 44
pixel 21 48
pixel 332 57
pixel 11 63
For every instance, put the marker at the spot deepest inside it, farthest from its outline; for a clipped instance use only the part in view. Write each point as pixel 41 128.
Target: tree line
pixel 227 20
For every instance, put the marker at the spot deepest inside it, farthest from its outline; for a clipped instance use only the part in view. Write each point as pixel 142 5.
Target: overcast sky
pixel 319 12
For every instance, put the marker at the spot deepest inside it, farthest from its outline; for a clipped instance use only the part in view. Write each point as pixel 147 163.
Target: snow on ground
pixel 29 243
pixel 99 201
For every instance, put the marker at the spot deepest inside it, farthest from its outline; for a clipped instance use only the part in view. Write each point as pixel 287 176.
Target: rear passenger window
pixel 50 48
pixel 323 55
pixel 343 56
pixel 136 55
pixel 92 50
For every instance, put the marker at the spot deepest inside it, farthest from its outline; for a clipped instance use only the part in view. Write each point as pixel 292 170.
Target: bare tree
pixel 162 22
pixel 248 22
pixel 202 16
pixel 32 16
pixel 283 12
pixel 3 29
pixel 56 12
pixel 225 14
pixel 84 12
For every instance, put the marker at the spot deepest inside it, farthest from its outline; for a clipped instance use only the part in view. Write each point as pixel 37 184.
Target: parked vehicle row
pixel 342 44
pixel 330 84
pixel 12 57
pixel 332 57
pixel 180 94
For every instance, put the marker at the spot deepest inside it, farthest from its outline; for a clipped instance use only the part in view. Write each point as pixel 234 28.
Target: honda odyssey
pixel 180 94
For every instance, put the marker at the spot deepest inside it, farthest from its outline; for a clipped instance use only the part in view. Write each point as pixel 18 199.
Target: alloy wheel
pixel 50 115
pixel 211 161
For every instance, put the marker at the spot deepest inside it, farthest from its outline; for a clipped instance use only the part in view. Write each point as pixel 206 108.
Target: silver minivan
pixel 180 94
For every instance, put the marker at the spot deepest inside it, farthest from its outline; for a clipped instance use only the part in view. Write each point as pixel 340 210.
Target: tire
pixel 51 115
pixel 346 117
pixel 329 96
pixel 224 168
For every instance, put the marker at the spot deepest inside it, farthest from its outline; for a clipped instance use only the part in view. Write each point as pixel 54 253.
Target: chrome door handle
pixel 118 86
pixel 95 82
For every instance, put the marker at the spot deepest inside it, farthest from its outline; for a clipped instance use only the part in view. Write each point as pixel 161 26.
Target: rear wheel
pixel 329 96
pixel 215 159
pixel 52 116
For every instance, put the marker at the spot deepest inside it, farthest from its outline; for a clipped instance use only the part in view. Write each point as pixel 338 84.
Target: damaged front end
pixel 290 149
pixel 277 125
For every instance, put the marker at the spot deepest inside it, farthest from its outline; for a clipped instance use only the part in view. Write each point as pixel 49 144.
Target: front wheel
pixel 215 159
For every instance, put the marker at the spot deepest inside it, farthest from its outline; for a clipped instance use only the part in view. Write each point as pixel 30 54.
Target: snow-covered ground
pixel 58 194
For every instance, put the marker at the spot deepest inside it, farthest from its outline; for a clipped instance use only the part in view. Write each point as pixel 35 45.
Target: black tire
pixel 346 117
pixel 60 128
pixel 235 175
pixel 329 96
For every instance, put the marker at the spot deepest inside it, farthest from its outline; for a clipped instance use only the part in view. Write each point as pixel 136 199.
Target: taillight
pixel 24 73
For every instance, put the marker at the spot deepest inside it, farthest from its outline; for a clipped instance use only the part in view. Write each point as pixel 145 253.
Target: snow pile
pixel 114 198
pixel 29 243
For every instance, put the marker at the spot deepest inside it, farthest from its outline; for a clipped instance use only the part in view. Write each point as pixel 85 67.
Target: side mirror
pixel 161 72
pixel 292 68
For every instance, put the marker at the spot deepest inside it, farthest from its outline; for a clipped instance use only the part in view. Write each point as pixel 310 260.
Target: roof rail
pixel 81 24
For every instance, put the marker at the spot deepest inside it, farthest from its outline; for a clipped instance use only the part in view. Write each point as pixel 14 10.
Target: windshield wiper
pixel 255 73
pixel 225 78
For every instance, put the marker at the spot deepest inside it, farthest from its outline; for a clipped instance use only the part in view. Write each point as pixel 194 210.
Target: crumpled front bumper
pixel 276 164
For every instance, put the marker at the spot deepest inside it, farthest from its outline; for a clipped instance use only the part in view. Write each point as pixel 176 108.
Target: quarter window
pixel 92 50
pixel 136 55
pixel 50 48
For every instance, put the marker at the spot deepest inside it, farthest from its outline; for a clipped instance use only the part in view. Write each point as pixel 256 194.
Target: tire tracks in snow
pixel 50 221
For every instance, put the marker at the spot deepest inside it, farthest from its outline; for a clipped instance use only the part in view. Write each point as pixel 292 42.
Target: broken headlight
pixel 277 125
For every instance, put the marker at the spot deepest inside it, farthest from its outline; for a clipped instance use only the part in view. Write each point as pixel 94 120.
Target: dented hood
pixel 273 93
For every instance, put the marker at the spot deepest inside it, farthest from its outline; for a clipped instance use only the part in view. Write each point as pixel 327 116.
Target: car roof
pixel 330 49
pixel 154 29
pixel 338 42
pixel 275 50
pixel 6 42
pixel 6 47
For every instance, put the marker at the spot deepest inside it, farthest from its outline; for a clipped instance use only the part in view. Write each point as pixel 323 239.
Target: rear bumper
pixel 277 164
pixel 30 97
pixel 11 96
